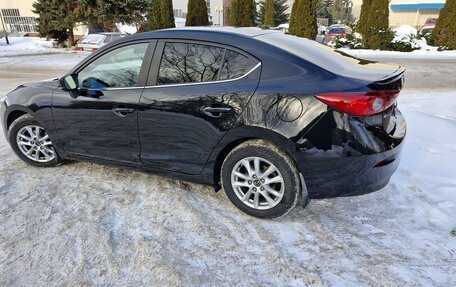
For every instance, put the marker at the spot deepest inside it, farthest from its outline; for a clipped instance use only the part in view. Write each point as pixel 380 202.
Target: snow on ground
pixel 25 45
pixel 86 224
pixel 26 51
pixel 427 53
pixel 405 33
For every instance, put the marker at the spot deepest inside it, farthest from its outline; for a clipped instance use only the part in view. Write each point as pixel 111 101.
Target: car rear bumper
pixel 350 176
pixel 356 156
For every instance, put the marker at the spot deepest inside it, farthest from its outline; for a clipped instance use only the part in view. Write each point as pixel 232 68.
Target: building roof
pixel 416 4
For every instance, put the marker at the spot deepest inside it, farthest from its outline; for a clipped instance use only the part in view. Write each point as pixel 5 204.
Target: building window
pixel 15 23
pixel 178 13
pixel 208 5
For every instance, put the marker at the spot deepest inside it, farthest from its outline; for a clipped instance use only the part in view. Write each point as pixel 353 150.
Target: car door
pixel 100 120
pixel 195 93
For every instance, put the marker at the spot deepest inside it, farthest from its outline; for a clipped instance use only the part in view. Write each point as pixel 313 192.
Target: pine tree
pixel 154 20
pixel 303 20
pixel 364 17
pixel 246 13
pixel 197 13
pixel 280 12
pixel 269 14
pixel 57 17
pixel 109 12
pixel 167 14
pixel 233 16
pixel 375 29
pixel 444 33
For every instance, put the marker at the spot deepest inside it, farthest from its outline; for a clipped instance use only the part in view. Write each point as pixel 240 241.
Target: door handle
pixel 217 112
pixel 122 112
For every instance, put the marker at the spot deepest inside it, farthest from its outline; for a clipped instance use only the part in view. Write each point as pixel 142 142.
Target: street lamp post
pixel 219 11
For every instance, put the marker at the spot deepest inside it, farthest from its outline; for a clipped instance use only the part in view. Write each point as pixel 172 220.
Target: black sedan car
pixel 273 119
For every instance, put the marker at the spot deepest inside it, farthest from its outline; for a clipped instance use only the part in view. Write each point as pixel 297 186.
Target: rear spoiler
pixel 394 81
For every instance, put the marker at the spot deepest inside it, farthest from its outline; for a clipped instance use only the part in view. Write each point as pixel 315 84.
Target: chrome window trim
pixel 186 84
pixel 121 88
pixel 207 82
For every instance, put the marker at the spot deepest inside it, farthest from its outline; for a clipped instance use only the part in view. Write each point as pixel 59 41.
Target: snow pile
pixel 25 45
pixel 407 35
pixel 405 30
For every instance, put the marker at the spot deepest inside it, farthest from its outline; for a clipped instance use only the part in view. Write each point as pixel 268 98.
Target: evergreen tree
pixel 57 17
pixel 233 16
pixel 375 29
pixel 242 13
pixel 444 33
pixel 364 17
pixel 303 21
pixel 246 13
pixel 197 13
pixel 154 19
pixel 280 12
pixel 269 14
pixel 109 12
pixel 167 14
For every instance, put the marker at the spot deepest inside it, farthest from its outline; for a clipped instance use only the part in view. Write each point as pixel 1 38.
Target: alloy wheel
pixel 257 183
pixel 35 144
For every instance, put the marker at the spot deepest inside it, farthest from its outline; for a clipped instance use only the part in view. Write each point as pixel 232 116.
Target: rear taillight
pixel 360 103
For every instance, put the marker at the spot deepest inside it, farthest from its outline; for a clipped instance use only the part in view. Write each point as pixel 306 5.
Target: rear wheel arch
pixel 254 134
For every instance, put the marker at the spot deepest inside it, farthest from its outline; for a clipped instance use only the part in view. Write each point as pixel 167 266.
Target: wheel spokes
pixel 276 179
pixel 246 164
pixel 260 178
pixel 35 144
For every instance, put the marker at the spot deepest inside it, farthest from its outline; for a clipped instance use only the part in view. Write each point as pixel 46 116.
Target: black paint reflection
pixel 184 63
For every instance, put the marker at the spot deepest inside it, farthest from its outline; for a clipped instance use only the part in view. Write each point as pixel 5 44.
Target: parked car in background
pixel 427 30
pixel 273 119
pixel 430 22
pixel 93 42
pixel 336 30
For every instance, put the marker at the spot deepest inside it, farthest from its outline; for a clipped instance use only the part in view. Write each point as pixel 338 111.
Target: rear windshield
pixel 337 30
pixel 311 51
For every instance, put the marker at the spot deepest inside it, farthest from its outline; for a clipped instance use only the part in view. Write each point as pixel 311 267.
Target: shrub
pixel 352 41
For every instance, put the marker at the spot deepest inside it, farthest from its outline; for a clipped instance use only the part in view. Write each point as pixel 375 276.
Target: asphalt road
pixel 426 73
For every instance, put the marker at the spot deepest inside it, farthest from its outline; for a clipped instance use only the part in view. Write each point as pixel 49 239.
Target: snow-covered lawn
pixel 86 224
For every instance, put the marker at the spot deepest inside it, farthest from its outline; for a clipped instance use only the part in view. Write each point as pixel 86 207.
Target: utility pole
pixel 4 27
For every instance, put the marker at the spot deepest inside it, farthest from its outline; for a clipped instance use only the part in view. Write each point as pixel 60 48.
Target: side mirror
pixel 70 82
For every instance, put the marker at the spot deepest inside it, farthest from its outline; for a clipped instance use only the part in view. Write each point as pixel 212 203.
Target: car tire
pixel 26 135
pixel 247 189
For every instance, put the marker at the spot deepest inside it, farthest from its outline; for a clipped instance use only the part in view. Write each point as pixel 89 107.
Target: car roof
pixel 240 31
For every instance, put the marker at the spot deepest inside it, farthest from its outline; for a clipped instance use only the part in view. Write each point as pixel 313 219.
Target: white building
pixel 215 9
pixel 414 12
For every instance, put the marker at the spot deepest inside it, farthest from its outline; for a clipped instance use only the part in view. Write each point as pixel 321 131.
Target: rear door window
pixel 189 63
pixel 236 65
